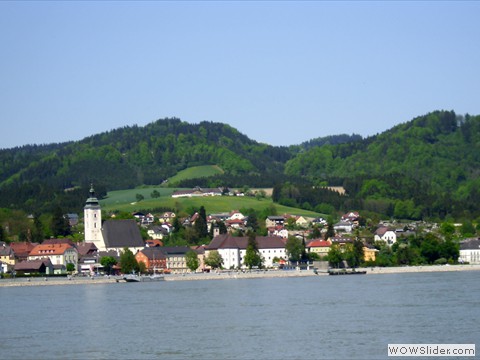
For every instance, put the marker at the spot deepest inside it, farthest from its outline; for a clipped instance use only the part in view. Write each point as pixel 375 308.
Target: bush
pixel 440 261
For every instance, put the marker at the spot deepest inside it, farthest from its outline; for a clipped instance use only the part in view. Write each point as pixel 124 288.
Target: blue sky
pixel 280 72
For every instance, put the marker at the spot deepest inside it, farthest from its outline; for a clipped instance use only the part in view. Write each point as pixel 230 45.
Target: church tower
pixel 93 221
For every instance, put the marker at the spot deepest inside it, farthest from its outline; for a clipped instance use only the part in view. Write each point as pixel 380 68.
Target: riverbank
pixel 225 275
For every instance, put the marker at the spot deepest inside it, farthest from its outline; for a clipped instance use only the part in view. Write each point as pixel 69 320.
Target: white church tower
pixel 93 221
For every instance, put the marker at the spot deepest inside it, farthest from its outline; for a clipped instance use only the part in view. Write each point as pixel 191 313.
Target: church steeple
pixel 92 201
pixel 93 221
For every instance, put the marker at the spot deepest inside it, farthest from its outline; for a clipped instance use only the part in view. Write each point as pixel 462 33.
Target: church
pixel 111 234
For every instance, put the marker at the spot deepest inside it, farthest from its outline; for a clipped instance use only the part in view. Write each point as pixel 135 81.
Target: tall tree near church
pixel 201 224
pixel 60 225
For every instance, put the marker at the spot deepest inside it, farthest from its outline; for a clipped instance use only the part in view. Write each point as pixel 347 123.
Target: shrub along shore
pixel 223 275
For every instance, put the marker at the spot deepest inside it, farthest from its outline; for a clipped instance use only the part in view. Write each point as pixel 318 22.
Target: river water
pixel 323 317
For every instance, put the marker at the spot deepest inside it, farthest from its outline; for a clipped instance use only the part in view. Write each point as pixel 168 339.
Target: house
pixel 319 221
pixel 301 221
pixel 369 253
pixel 200 250
pixel 340 240
pixel 236 215
pixel 197 191
pixel 351 216
pixel 153 243
pixel 167 217
pixel 273 221
pixel 21 250
pixel 157 232
pixel 154 259
pixel 7 257
pixel 176 260
pixel 88 258
pixel 383 233
pixel 72 219
pixel 343 226
pixel 278 231
pixel 319 246
pixel 470 251
pixel 59 254
pixel 233 249
pixel 41 266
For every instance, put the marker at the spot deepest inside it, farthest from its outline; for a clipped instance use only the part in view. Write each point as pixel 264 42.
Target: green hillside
pixel 125 200
pixel 420 169
pixel 194 173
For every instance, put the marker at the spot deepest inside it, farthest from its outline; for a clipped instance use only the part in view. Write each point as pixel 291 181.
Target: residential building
pixel 233 249
pixel 88 258
pixel 59 254
pixel 319 246
pixel 369 253
pixel 21 250
pixel 7 257
pixel 41 266
pixel 176 261
pixel 384 233
pixel 154 259
pixel 273 221
pixel 343 226
pixel 470 251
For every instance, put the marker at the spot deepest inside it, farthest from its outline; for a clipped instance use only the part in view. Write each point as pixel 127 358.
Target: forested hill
pixel 131 156
pixel 429 166
pixel 424 167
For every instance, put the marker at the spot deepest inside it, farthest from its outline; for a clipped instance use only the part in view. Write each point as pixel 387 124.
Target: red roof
pixel 319 243
pixel 49 249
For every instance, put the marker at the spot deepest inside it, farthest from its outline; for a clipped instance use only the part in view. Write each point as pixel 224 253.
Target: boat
pixel 132 278
pixel 345 272
pixel 142 278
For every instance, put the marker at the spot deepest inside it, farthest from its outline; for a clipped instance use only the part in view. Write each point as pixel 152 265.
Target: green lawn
pixel 125 200
pixel 195 172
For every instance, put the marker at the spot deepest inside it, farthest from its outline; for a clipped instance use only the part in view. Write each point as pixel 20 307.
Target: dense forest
pixel 425 168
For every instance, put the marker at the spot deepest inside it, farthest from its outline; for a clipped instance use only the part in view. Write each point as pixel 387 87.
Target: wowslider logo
pixel 431 349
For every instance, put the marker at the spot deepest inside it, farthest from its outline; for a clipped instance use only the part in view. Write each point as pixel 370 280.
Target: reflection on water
pixel 297 318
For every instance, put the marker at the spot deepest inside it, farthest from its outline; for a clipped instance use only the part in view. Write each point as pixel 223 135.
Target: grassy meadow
pixel 126 200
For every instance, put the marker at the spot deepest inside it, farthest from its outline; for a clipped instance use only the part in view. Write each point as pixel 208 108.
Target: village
pixel 110 238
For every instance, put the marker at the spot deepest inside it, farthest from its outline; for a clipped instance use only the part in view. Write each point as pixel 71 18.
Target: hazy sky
pixel 279 72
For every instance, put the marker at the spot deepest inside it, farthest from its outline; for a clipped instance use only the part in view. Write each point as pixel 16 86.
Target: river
pixel 324 317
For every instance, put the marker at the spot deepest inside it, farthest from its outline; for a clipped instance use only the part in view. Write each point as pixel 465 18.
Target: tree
pixel 139 197
pixel 214 259
pixel 70 267
pixel 142 267
pixel 354 253
pixel 191 259
pixel 335 256
pixel 200 226
pixel 128 263
pixel 252 257
pixel 60 225
pixel 252 222
pixel 108 262
pixel 294 248
pixel 330 231
pixel 155 194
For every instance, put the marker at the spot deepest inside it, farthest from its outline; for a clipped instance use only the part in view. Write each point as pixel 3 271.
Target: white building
pixel 233 249
pixel 470 251
pixel 383 233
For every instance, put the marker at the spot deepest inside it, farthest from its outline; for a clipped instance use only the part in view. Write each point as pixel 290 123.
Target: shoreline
pixel 225 275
